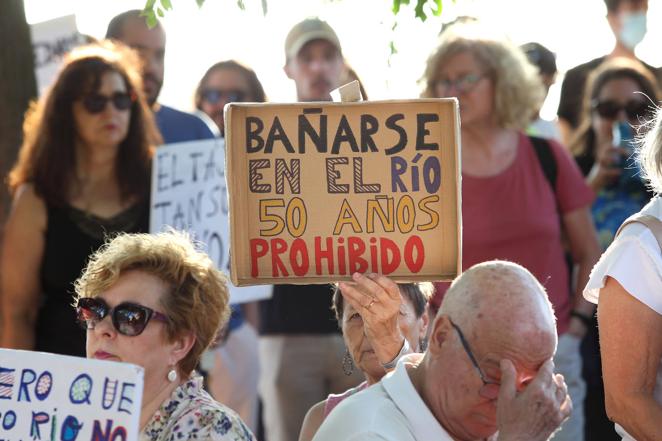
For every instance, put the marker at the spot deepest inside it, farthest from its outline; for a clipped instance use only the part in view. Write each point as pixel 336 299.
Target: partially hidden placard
pixel 189 194
pixel 319 191
pixel 55 397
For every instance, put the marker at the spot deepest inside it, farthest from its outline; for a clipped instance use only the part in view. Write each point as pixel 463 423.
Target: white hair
pixel 649 153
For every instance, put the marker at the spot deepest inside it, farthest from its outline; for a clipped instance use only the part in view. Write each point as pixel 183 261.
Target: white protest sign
pixel 56 397
pixel 189 193
pixel 52 40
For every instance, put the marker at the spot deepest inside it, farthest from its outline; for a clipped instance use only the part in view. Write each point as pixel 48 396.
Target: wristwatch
pixel 406 349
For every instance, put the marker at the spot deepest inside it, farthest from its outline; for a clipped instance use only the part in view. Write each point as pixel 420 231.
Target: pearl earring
pixel 172 376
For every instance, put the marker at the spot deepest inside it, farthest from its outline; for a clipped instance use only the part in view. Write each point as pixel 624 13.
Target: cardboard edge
pixel 245 282
pixel 458 187
pixel 326 280
pixel 232 196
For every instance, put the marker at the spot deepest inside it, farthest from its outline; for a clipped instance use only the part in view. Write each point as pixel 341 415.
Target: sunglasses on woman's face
pixel 96 102
pixel 128 318
pixel 610 109
pixel 214 96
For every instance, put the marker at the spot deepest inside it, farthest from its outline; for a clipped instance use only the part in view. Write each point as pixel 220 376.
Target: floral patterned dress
pixel 192 414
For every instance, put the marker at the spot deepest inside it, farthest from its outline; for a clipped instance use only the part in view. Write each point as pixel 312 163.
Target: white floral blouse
pixel 192 414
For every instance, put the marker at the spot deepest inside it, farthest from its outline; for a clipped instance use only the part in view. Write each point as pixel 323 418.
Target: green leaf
pixel 397 4
pixel 200 3
pixel 264 7
pixel 166 4
pixel 420 13
pixel 439 7
pixel 151 20
pixel 241 5
pixel 160 12
pixel 149 6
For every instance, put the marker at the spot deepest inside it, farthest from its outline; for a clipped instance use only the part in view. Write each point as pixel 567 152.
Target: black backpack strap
pixel 547 161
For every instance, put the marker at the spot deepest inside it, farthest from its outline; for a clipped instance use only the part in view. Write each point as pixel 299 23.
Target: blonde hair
pixel 649 153
pixel 518 89
pixel 197 300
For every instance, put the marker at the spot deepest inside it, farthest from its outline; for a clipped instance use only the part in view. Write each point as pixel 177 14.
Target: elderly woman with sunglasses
pixel 83 172
pixel 511 208
pixel 381 321
pixel 157 302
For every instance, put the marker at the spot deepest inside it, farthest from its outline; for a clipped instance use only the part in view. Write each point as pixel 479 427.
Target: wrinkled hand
pixel 377 299
pixel 536 412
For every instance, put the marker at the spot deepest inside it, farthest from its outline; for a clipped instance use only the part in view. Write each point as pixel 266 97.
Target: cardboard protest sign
pixel 319 191
pixel 189 193
pixel 47 397
pixel 51 41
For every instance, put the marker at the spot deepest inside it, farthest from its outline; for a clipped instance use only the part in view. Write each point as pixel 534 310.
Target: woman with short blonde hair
pixel 157 301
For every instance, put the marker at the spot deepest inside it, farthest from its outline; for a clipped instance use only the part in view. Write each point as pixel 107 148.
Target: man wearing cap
pixel 301 349
pixel 314 60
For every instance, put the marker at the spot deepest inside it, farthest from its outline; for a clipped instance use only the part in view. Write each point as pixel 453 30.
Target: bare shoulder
pixel 312 421
pixel 28 209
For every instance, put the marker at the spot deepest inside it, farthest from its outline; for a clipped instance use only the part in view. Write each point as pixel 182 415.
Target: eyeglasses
pixel 610 109
pixel 490 388
pixel 214 96
pixel 96 102
pixel 462 84
pixel 128 318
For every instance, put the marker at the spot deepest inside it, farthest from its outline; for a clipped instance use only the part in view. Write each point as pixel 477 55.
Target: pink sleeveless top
pixel 334 399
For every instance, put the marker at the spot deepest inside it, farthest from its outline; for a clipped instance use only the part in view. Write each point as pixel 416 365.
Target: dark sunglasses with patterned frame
pixel 128 318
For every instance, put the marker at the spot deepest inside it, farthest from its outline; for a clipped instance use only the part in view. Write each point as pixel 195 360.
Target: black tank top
pixel 71 236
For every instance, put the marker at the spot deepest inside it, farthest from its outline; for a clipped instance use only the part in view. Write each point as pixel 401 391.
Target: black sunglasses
pixel 214 96
pixel 128 318
pixel 96 103
pixel 610 109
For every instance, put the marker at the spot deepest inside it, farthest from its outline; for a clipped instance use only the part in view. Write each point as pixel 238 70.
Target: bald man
pixel 487 372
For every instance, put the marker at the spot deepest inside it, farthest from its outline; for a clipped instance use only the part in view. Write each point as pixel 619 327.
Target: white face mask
pixel 633 28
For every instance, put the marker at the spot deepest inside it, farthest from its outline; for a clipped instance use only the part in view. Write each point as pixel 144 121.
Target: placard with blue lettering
pixel 189 193
pixel 319 191
pixel 56 397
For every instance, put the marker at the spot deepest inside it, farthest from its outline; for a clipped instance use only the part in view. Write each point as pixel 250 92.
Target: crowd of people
pixel 508 351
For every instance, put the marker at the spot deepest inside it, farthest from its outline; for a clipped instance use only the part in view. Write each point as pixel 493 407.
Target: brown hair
pixel 48 155
pixel 197 300
pixel 254 85
pixel 582 142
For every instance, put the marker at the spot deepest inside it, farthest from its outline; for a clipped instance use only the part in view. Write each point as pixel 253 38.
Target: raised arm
pixel 22 251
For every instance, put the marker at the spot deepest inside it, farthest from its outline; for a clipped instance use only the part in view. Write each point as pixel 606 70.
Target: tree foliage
pixel 422 9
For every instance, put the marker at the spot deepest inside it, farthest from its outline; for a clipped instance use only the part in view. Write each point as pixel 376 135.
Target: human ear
pixel 181 347
pixel 441 330
pixel 287 70
pixel 425 322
